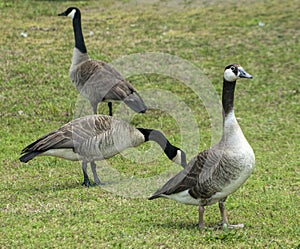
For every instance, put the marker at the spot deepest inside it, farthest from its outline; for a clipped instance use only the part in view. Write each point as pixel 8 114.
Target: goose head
pixel 234 71
pixel 71 12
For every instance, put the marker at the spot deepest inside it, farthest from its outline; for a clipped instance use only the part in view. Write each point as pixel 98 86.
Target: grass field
pixel 42 203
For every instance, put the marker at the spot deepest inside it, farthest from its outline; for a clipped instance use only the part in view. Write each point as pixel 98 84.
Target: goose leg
pixel 110 108
pixel 94 106
pixel 201 217
pixel 224 223
pixel 86 180
pixel 96 178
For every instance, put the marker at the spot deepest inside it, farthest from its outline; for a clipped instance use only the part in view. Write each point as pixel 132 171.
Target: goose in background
pixel 96 80
pixel 94 138
pixel 220 170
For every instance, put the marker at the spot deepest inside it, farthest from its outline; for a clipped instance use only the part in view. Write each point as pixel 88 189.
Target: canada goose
pixel 94 138
pixel 96 80
pixel 220 170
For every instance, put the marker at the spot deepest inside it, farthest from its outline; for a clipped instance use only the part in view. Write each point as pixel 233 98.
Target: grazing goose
pixel 96 80
pixel 94 138
pixel 220 170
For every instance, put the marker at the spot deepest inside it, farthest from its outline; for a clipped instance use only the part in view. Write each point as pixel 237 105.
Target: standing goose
pixel 219 171
pixel 94 138
pixel 96 80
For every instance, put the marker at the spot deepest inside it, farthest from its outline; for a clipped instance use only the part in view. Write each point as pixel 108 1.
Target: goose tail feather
pixel 29 155
pixel 153 197
pixel 135 102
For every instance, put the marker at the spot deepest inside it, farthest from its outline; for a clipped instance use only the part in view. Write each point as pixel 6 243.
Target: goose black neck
pixel 79 41
pixel 228 96
pixel 158 137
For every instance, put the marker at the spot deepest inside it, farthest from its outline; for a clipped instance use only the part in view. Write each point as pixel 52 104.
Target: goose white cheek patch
pixel 177 158
pixel 72 14
pixel 229 75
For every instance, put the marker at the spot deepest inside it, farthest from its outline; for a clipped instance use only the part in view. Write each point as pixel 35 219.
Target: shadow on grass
pixel 212 232
pixel 34 188
pixel 177 225
pixel 189 226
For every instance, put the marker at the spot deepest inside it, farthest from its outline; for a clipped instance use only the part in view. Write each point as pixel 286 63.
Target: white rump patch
pixel 183 197
pixel 63 153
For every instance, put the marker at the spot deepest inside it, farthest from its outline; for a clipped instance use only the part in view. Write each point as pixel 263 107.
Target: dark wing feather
pixel 126 92
pixel 101 81
pixel 185 179
pixel 123 90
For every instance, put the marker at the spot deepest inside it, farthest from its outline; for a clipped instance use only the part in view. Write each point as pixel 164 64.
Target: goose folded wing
pixel 72 134
pixel 101 80
pixel 185 179
pixel 126 92
pixel 112 83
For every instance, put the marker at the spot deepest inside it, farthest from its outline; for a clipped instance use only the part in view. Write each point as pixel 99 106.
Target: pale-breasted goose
pixel 96 80
pixel 94 138
pixel 217 172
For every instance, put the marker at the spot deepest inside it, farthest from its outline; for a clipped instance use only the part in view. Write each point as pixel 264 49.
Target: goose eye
pixel 232 68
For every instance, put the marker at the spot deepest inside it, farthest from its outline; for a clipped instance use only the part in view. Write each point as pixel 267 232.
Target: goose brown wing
pixel 185 179
pixel 126 92
pixel 211 178
pixel 71 134
pixel 121 88
pixel 96 78
pixel 101 81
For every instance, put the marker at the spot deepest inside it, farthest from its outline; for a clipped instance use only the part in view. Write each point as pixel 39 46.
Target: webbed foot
pixel 225 226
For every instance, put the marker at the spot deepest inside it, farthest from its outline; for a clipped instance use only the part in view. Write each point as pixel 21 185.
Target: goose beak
pixel 62 14
pixel 243 74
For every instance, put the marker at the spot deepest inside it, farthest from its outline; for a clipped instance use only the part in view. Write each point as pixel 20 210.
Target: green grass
pixel 43 204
